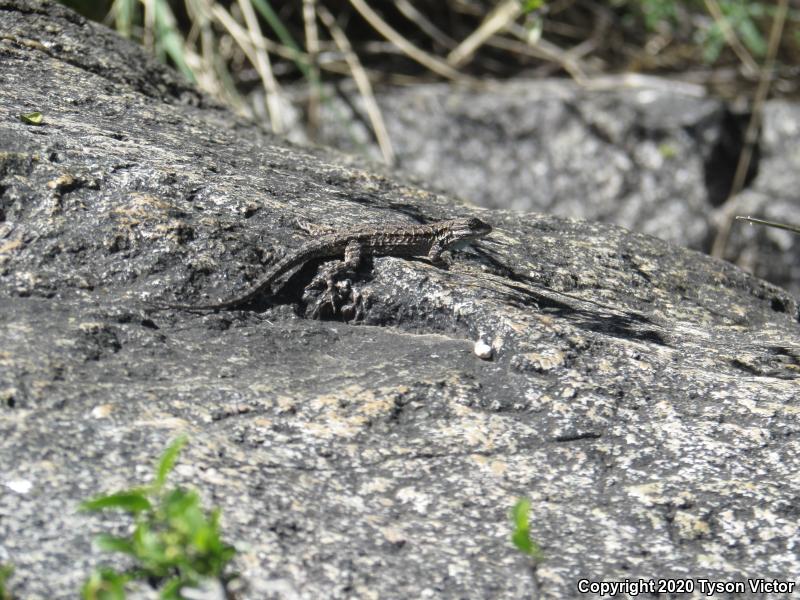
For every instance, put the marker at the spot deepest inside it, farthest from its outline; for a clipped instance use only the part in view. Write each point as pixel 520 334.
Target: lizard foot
pixel 356 309
pixel 330 296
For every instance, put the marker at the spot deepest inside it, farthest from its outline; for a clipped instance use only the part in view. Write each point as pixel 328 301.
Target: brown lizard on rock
pixel 397 240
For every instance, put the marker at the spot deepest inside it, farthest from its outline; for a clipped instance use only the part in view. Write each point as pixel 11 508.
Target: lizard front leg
pixel 353 254
pixel 439 255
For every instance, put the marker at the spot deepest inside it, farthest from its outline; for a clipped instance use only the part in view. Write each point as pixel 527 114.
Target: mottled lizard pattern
pixel 403 240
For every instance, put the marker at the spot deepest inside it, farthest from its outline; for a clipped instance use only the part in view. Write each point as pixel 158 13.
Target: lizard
pixel 397 240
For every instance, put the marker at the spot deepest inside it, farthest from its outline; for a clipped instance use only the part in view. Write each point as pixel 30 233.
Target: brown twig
pixel 410 12
pixel 499 18
pixel 551 52
pixel 263 66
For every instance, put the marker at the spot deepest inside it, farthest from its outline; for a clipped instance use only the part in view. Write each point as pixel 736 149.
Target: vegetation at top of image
pixel 233 48
pixel 521 533
pixel 246 53
pixel 175 544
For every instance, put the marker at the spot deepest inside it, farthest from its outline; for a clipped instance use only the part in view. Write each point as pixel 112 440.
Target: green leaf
pixel 172 589
pixel 132 501
pixel 667 150
pixel 5 573
pixel 149 546
pixel 168 460
pixel 205 540
pixel 519 520
pixel 521 536
pixel 752 37
pixel 31 118
pixel 104 584
pixel 182 511
pixel 712 41
pixel 531 5
pixel 112 543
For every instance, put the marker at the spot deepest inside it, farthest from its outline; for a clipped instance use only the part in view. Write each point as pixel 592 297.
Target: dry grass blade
pixel 122 12
pixel 263 66
pixel 201 62
pixel 148 40
pixel 242 39
pixel 410 12
pixel 312 47
pixel 431 62
pixel 753 127
pixel 209 65
pixel 235 30
pixel 496 20
pixel 362 81
pixel 551 52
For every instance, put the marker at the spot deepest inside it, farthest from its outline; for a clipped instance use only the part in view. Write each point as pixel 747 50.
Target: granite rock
pixel 643 396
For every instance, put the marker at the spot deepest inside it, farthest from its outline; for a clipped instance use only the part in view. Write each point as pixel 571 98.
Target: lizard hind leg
pixel 338 301
pixel 331 294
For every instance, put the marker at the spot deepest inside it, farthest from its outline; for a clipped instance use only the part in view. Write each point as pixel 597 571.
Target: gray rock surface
pixel 643 396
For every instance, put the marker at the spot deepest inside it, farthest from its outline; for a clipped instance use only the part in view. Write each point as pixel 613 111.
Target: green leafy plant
pixel 521 535
pixel 741 16
pixel 5 574
pixel 175 543
pixel 657 12
pixel 743 19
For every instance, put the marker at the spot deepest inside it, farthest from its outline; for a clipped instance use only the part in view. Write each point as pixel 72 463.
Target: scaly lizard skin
pixel 403 240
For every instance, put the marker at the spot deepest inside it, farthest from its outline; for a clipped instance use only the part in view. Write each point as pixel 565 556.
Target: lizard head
pixel 469 229
pixel 459 232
